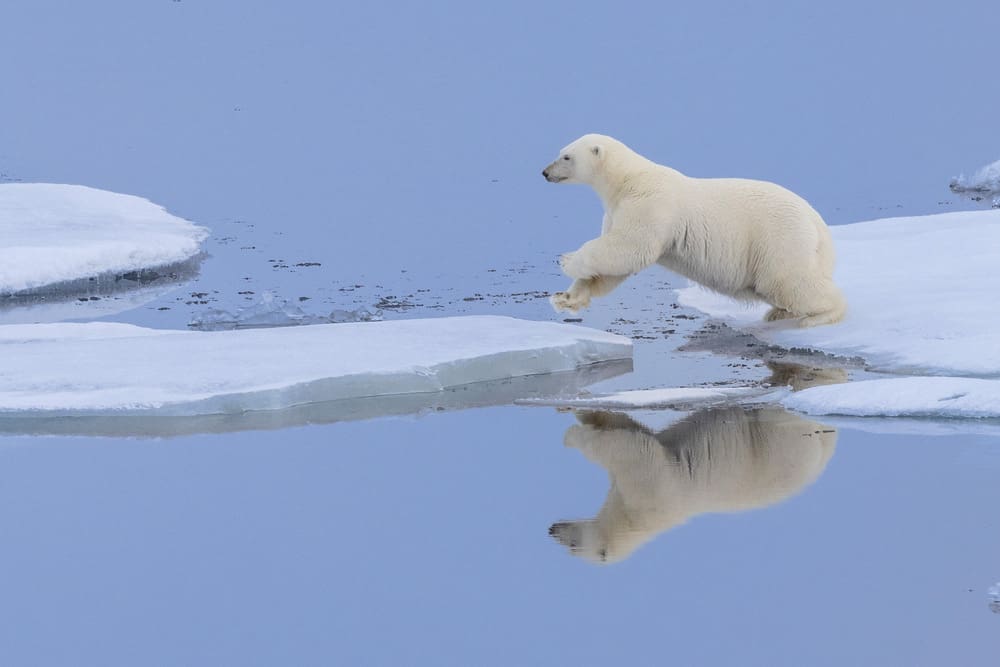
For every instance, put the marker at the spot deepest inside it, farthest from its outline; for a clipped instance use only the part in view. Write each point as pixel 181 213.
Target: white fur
pixel 717 460
pixel 751 240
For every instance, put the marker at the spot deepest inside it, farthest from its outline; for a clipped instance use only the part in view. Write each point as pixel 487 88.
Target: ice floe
pixel 922 294
pixel 58 234
pixel 119 369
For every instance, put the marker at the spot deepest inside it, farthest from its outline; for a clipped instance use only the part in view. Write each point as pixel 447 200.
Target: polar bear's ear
pixel 596 150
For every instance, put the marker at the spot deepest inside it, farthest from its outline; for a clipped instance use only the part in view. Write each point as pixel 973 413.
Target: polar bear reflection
pixel 716 460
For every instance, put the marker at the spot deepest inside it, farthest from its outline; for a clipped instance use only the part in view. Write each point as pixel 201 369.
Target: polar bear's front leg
pixel 577 297
pixel 613 254
pixel 580 292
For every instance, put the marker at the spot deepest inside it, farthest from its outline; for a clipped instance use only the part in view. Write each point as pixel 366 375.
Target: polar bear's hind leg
pixel 817 302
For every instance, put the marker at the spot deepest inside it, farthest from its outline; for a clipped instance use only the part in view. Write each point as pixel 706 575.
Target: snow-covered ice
pixel 53 234
pixel 97 368
pixel 984 181
pixel 923 297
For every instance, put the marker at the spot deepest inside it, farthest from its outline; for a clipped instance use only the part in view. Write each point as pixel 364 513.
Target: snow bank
pixel 60 233
pixel 984 181
pixel 922 295
pixel 96 368
pixel 940 397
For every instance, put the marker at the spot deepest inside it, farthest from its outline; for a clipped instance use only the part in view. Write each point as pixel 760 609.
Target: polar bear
pixel 716 460
pixel 751 240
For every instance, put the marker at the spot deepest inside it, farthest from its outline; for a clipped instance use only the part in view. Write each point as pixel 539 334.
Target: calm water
pixel 352 156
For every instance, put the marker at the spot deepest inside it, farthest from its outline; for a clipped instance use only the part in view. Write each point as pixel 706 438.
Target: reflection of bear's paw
pixel 776 314
pixel 566 302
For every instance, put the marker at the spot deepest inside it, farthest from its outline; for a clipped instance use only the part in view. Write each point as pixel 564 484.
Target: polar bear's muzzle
pixel 555 172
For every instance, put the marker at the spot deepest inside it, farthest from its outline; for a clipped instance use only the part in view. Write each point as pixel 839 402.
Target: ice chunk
pixel 921 292
pixel 984 181
pixel 939 397
pixel 101 368
pixel 55 234
pixel 272 311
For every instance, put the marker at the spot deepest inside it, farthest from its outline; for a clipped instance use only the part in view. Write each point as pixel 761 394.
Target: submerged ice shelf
pixel 106 368
pixel 937 397
pixel 672 398
pixel 272 311
pixel 58 234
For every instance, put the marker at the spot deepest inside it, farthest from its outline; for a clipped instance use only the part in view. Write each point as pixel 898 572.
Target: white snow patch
pixel 58 233
pixel 653 399
pixel 986 181
pixel 939 397
pixel 98 367
pixel 922 297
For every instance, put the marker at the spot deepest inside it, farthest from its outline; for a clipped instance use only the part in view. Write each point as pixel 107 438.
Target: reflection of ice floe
pixel 984 182
pixel 716 460
pixel 55 234
pixel 95 297
pixel 275 312
pixel 994 594
pixel 105 368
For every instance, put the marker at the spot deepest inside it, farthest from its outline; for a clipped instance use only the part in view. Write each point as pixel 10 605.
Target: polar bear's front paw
pixel 564 301
pixel 575 267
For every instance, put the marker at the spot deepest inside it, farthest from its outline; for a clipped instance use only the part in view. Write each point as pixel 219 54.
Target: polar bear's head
pixel 580 161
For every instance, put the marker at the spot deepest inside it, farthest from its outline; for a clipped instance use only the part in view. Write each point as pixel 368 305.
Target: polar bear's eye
pixel 565 157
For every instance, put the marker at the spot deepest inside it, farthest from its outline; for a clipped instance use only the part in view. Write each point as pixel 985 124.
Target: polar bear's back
pixel 747 228
pixel 764 208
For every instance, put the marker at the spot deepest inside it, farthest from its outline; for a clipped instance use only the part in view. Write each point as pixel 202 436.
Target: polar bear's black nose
pixel 545 173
